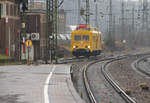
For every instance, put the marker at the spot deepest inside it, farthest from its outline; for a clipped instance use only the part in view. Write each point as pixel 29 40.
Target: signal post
pixel 28 45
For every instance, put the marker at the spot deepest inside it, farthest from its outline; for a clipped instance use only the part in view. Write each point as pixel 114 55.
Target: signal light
pixel 24 6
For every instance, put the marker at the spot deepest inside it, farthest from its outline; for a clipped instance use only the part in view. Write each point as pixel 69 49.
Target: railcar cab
pixel 82 40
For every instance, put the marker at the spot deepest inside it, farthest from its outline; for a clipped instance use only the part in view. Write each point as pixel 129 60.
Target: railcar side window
pixel 85 37
pixel 77 37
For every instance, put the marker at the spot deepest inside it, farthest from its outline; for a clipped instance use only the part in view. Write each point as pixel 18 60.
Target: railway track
pixel 137 66
pixel 80 59
pixel 74 59
pixel 120 91
pixel 91 61
pixel 108 78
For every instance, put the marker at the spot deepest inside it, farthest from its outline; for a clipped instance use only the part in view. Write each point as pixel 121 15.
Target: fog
pixel 130 23
pixel 133 26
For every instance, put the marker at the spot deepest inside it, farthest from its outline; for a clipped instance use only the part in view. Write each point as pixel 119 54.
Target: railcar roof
pixel 80 31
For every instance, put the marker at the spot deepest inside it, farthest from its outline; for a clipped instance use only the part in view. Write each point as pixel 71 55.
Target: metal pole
pixel 122 19
pixel 79 12
pixel 110 18
pixel 133 26
pixel 0 11
pixel 87 12
pixel 56 33
pixel 52 41
pixel 114 26
pixel 96 20
pixel 28 63
pixel 146 14
pixel 23 32
pixel 47 21
pixel 49 31
pixel 9 42
pixel 143 16
pixel 133 19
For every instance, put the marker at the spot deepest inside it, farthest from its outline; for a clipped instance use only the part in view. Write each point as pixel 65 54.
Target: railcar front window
pixel 86 38
pixel 77 37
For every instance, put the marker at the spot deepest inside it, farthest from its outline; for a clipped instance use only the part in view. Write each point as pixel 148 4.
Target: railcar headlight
pixel 89 47
pixel 74 46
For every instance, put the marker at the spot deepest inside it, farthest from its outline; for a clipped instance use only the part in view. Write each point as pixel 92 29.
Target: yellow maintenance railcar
pixel 86 41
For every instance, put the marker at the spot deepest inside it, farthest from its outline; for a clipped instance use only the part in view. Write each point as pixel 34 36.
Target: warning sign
pixel 28 43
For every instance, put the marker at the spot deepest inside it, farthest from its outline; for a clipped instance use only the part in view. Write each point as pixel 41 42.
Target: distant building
pixel 35 26
pixel 35 23
pixel 37 5
pixel 61 21
pixel 10 27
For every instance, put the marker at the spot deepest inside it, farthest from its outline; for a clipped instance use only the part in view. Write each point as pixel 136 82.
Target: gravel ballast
pixel 130 80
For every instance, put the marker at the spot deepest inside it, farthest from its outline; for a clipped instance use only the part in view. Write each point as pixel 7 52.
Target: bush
pixel 4 57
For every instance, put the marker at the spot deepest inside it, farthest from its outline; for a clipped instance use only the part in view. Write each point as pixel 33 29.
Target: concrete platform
pixel 61 89
pixel 37 84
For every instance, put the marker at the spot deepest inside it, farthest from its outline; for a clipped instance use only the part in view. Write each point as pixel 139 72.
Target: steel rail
pixel 86 83
pixel 114 84
pixel 74 59
pixel 138 68
pixel 70 60
pixel 127 98
pixel 87 86
pixel 108 78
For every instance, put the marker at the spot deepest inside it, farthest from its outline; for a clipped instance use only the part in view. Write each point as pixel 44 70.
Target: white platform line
pixel 46 97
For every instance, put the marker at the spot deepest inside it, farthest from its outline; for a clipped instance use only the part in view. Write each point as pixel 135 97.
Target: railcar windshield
pixel 85 38
pixel 77 37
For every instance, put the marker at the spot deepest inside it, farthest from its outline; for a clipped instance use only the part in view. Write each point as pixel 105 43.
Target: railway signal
pixel 84 12
pixel 24 6
pixel 51 29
